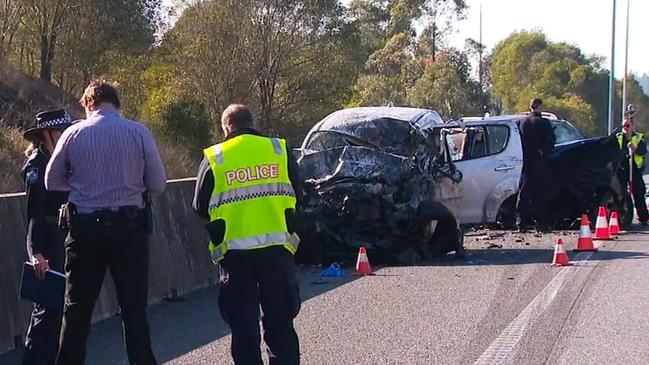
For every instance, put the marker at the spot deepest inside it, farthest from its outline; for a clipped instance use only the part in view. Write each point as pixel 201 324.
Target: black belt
pixel 124 213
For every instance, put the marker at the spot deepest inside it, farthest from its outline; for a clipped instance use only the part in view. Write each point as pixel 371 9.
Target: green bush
pixel 185 123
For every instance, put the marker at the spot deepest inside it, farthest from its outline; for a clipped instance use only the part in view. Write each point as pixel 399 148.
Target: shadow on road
pixel 181 326
pixel 497 256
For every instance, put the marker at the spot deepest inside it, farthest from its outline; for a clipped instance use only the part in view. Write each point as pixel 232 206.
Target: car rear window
pixel 497 138
pixel 477 141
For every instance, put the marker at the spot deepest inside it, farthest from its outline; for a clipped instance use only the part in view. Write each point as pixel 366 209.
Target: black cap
pixel 52 119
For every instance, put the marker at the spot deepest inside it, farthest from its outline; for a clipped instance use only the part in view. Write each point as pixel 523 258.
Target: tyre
pixel 506 217
pixel 447 235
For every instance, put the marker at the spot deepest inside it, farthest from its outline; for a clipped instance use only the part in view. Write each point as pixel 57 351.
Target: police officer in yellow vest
pixel 630 139
pixel 248 189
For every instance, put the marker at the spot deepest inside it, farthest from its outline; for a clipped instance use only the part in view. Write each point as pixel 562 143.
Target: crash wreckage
pixel 385 178
pixel 375 177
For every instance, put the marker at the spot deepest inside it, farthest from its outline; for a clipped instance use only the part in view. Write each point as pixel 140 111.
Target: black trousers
pixel 263 277
pixel 532 206
pixel 42 339
pixel 638 190
pixel 95 242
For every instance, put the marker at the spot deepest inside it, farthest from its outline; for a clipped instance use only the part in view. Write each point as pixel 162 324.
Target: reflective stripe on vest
pixel 251 193
pixel 217 151
pixel 635 140
pixel 271 239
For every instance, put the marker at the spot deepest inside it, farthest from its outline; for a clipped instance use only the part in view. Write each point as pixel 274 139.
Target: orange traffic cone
pixel 614 225
pixel 362 263
pixel 601 226
pixel 585 241
pixel 560 255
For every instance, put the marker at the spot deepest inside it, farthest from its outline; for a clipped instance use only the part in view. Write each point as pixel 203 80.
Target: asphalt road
pixel 501 304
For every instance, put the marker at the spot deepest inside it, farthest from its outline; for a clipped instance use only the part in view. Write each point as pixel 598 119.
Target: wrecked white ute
pixel 375 177
pixel 583 172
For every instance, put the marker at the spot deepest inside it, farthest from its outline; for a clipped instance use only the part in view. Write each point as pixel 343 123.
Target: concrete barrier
pixel 179 262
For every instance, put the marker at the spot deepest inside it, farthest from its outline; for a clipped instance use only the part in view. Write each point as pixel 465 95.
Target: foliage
pixel 67 42
pixel 526 65
pixel 639 99
pixel 291 61
pixel 644 83
pixel 186 123
pixel 410 68
pixel 11 159
pixel 446 87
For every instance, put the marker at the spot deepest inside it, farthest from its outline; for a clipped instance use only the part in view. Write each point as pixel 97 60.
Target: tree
pixel 69 41
pixel 386 70
pixel 390 71
pixel 403 60
pixel 440 15
pixel 287 59
pixel 11 11
pixel 446 86
pixel 187 123
pixel 639 99
pixel 101 35
pixel 46 22
pixel 526 65
pixel 288 34
pixel 644 82
pixel 370 21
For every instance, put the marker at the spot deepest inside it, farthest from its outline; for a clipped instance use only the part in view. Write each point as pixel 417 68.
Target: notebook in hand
pixel 47 292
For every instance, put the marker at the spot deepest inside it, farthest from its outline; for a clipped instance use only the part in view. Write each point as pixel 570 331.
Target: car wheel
pixel 620 203
pixel 447 236
pixel 506 217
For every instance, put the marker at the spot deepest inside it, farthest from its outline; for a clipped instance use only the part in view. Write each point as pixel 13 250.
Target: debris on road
pixel 478 262
pixel 334 270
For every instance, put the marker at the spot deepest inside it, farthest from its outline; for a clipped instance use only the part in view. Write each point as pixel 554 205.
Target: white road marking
pixel 502 348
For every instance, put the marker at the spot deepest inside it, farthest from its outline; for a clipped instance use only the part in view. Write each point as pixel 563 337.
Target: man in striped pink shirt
pixel 108 164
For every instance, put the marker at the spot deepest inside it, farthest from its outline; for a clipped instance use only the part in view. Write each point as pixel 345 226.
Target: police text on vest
pixel 246 174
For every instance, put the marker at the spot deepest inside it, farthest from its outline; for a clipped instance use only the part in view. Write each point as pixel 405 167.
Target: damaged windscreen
pixel 389 135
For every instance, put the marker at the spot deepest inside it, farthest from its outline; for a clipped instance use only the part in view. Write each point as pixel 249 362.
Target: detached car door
pixel 491 162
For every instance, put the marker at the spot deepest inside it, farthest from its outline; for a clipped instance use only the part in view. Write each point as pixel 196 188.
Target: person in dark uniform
pixel 630 139
pixel 537 137
pixel 44 239
pixel 249 190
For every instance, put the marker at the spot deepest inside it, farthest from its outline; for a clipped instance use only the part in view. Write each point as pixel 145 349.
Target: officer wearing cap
pixel 44 239
pixel 248 189
pixel 635 148
pixel 537 137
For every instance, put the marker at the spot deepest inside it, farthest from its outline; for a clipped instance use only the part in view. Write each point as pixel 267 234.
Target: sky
pixel 584 23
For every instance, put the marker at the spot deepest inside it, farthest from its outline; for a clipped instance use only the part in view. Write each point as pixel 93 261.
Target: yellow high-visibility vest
pixel 251 193
pixel 635 140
